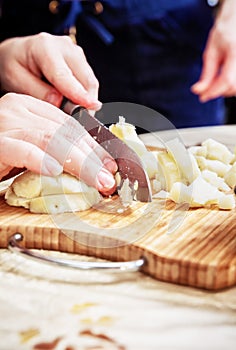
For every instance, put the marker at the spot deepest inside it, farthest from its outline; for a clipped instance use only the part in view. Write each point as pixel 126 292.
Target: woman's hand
pixel 36 135
pixel 48 67
pixel 218 76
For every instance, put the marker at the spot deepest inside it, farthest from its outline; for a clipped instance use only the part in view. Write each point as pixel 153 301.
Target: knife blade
pixel 129 164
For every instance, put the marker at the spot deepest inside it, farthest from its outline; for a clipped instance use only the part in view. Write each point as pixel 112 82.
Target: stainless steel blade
pixel 129 164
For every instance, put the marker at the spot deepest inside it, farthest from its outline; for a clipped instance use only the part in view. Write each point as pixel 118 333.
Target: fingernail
pixel 110 165
pixel 94 105
pixel 54 97
pixel 105 180
pixel 51 167
pixel 97 105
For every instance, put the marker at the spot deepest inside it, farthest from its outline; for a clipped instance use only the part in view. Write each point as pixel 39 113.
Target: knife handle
pixel 12 173
pixel 69 107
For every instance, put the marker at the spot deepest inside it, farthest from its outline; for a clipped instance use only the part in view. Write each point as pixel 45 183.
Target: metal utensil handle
pixel 127 266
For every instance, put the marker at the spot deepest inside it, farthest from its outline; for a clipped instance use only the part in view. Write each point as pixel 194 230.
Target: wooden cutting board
pixel 195 247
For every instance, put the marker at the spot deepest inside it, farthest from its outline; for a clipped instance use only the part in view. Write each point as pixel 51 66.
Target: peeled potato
pixel 27 185
pixel 15 201
pixel 62 203
pixel 42 194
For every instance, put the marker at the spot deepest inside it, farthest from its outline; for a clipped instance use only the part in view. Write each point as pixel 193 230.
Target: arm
pixel 218 76
pixel 26 62
pixel 38 136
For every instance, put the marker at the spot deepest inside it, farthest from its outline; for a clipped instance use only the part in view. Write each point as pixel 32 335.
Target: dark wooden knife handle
pixel 13 172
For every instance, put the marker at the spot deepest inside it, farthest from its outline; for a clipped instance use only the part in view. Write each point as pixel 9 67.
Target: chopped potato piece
pixel 230 176
pixel 215 180
pixel 150 162
pixel 198 151
pixel 184 160
pixel 218 151
pixel 127 133
pixel 213 165
pixel 199 193
pixel 227 202
pixel 169 169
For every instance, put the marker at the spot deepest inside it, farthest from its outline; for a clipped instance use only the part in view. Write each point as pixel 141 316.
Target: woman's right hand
pixel 26 60
pixel 38 136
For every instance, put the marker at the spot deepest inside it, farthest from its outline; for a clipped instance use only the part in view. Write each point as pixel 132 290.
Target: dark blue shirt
pixel 146 52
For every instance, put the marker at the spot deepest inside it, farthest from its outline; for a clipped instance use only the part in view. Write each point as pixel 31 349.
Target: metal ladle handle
pixel 127 266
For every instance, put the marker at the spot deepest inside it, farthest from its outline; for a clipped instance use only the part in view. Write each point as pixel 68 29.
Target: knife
pixel 129 164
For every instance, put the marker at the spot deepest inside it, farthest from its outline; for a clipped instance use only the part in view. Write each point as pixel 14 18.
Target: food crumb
pixel 88 332
pixel 47 345
pixel 77 308
pixel 28 334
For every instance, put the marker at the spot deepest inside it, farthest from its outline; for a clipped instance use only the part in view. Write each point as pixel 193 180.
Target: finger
pixel 62 77
pixel 75 133
pixel 210 69
pixel 69 129
pixel 18 153
pixel 21 111
pixel 224 84
pixel 108 162
pixel 81 162
pixel 34 86
pixel 83 72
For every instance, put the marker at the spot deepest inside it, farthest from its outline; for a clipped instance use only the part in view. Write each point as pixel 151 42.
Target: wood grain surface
pixel 194 247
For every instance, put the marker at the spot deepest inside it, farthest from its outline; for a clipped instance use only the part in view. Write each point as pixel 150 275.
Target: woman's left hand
pixel 218 76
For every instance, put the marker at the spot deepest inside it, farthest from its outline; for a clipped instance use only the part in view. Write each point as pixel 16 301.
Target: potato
pixel 218 151
pixel 42 194
pixel 185 160
pixel 213 165
pixel 230 176
pixel 169 169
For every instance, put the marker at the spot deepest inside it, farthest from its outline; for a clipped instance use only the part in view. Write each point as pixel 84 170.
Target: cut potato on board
pixel 169 169
pixel 230 176
pixel 198 151
pixel 31 185
pixel 201 193
pixel 200 175
pixel 62 203
pixel 185 160
pixel 217 151
pixel 215 180
pixel 150 163
pixel 227 202
pixel 214 165
pixel 53 195
pixel 15 201
pixel 127 133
